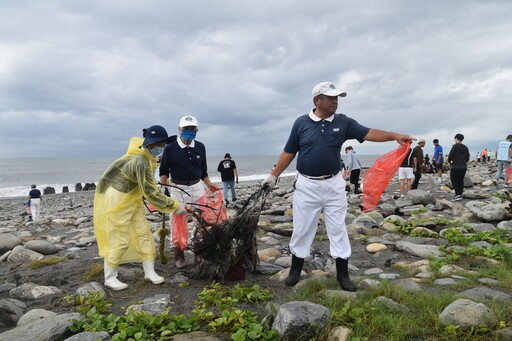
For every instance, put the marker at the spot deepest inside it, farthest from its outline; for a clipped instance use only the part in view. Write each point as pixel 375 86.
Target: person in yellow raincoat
pixel 122 231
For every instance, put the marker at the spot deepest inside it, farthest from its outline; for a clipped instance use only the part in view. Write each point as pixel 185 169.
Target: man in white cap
pixel 184 161
pixel 317 137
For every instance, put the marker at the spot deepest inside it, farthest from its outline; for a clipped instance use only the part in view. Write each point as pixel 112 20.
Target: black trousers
pixel 354 179
pixel 417 177
pixel 457 179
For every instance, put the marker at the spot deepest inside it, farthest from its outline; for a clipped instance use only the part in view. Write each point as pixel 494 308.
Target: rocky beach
pixel 421 243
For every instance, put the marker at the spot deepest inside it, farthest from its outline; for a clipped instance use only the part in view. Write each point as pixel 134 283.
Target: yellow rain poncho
pixel 122 230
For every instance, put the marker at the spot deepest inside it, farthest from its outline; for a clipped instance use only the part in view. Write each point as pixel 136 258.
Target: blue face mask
pixel 188 135
pixel 156 151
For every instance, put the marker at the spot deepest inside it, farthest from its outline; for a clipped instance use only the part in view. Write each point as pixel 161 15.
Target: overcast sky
pixel 79 78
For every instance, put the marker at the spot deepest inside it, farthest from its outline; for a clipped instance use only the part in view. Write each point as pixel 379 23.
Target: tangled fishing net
pixel 226 248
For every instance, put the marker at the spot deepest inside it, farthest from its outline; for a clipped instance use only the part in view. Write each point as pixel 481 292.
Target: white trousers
pixel 35 208
pixel 195 191
pixel 309 199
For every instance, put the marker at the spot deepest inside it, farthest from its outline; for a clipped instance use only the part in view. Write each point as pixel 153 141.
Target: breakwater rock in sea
pixel 404 242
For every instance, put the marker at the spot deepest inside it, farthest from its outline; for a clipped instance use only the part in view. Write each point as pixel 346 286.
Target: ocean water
pixel 16 175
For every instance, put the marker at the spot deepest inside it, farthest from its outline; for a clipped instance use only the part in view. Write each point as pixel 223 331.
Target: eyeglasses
pixel 194 128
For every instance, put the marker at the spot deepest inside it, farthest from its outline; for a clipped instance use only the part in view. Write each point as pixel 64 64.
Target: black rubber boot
pixel 295 270
pixel 342 275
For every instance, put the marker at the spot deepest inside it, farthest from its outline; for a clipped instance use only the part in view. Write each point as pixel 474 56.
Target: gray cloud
pixel 82 77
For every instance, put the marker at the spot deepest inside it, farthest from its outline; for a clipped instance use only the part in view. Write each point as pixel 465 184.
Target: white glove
pixel 271 180
pixel 181 210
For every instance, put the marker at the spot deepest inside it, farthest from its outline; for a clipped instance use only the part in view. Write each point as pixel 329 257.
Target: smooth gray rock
pixel 7 287
pixel 8 241
pixel 486 211
pixel 367 283
pixel 504 334
pixel 419 196
pixel 10 311
pixel 90 287
pixel 481 243
pixel 300 319
pixel 365 221
pixel 47 329
pixel 31 291
pixel 488 281
pixel 43 247
pixel 5 256
pixel 20 254
pixel 482 227
pixel 467 314
pixel 392 305
pixel 35 315
pixel 89 336
pixel 152 306
pixel 505 225
pixel 403 202
pixel 468 182
pixel 484 294
pixel 389 276
pixel 420 250
pixel 475 194
pixel 445 281
pixel 407 285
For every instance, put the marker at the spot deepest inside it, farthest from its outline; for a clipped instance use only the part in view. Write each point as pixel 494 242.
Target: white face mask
pixel 156 151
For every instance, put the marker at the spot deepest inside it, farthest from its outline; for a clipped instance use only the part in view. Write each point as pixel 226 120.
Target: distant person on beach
pixel 483 155
pixel 428 165
pixel 477 157
pixel 35 197
pixel 504 158
pixel 417 162
pixel 317 137
pixel 354 167
pixel 438 160
pixel 183 165
pixel 406 174
pixel 122 230
pixel 228 175
pixel 458 160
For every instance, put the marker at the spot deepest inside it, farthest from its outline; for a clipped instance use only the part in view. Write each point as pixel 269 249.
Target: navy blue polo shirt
pixel 319 142
pixel 187 163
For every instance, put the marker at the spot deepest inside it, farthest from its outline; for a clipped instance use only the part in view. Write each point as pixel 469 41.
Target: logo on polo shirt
pixel 336 129
pixel 198 156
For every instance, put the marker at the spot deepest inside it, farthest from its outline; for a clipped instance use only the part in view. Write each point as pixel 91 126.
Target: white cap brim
pixel 335 93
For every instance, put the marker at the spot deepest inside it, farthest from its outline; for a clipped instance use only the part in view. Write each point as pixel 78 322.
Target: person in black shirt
pixel 458 160
pixel 228 175
pixel 35 202
pixel 417 162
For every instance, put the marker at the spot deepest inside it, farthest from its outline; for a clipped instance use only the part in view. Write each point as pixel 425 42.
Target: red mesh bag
pixel 215 213
pixel 509 174
pixel 377 178
pixel 180 231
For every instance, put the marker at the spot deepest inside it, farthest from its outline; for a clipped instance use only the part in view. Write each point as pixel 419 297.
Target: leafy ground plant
pixel 215 310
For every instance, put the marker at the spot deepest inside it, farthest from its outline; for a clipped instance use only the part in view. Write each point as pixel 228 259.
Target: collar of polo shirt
pixel 316 118
pixel 183 145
